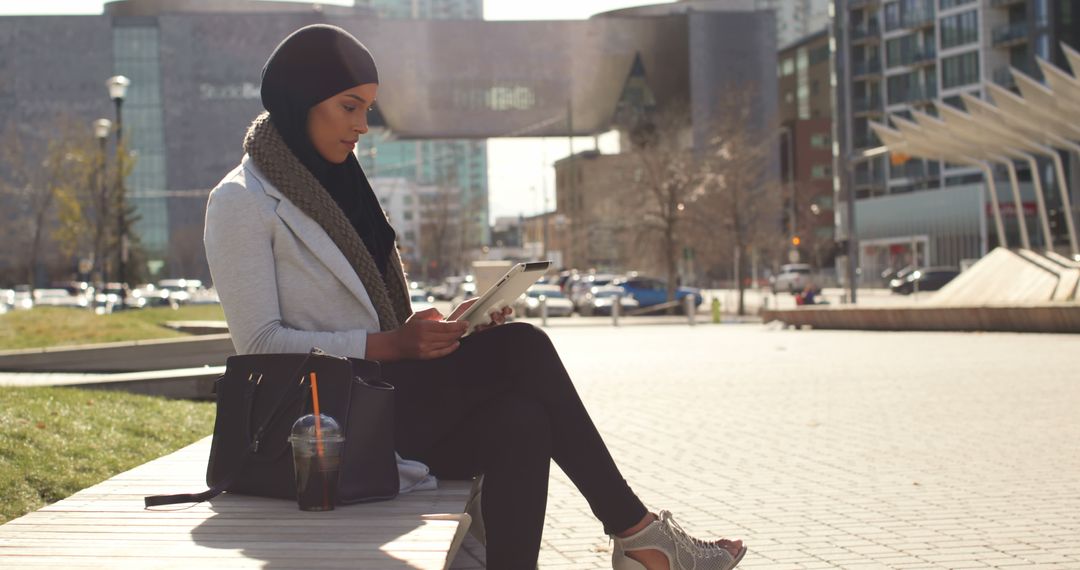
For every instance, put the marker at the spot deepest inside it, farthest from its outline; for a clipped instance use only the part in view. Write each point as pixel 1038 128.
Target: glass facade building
pixel 135 56
pixel 427 9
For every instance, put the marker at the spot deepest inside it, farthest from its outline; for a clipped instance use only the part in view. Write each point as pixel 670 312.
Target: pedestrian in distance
pixel 302 255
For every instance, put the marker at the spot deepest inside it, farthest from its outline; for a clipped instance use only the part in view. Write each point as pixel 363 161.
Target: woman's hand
pixel 424 336
pixel 497 317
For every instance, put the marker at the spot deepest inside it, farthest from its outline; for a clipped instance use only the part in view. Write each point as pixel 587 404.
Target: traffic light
pixel 795 241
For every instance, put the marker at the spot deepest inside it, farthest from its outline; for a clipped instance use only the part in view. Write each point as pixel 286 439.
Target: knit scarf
pixel 389 292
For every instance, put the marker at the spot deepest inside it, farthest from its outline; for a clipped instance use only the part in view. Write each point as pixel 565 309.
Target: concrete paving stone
pixel 901 443
pixel 876 550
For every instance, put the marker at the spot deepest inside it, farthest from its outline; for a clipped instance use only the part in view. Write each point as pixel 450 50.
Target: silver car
pixel 792 278
pixel 557 304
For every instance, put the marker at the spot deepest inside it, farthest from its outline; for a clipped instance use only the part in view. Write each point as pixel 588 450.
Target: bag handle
pixel 253 444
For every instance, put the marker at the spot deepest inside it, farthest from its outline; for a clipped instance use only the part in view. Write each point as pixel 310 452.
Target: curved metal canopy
pixel 1040 121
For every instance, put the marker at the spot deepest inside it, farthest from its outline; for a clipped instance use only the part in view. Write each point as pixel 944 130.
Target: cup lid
pixel 304 428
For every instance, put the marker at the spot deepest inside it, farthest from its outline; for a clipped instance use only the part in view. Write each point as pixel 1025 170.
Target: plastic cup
pixel 316 461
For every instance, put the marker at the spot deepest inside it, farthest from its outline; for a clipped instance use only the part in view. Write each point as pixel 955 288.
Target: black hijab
pixel 312 64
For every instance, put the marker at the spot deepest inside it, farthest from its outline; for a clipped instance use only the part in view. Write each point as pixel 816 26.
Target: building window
pixel 959 29
pixel 821 171
pixel 960 70
pixel 819 140
pixel 900 51
pixel 903 88
pixel 892 15
pixel 823 201
pixel 787 67
pixel 408 216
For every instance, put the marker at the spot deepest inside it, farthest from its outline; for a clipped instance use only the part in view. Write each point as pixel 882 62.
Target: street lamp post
pixel 118 85
pixel 101 132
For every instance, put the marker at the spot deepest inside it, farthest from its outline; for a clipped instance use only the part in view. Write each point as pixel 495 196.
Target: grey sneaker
pixel 683 551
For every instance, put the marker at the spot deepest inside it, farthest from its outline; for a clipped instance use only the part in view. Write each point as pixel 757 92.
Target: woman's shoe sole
pixel 628 563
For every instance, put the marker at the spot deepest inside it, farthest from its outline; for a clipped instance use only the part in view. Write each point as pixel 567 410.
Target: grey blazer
pixel 284 285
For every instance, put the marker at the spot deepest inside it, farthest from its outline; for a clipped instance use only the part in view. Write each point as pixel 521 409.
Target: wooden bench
pixel 106 526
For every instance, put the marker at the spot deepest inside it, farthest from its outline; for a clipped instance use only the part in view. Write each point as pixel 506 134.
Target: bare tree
pixel 439 231
pixel 667 177
pixel 740 195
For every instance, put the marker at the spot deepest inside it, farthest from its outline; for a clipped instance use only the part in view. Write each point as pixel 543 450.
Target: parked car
pixel 59 298
pixel 7 300
pixel 557 304
pixel 649 291
pixel 180 290
pixel 21 298
pixel 792 278
pixel 579 289
pixel 420 300
pixel 924 279
pixel 152 294
pixel 600 300
pixel 107 299
pixel 891 273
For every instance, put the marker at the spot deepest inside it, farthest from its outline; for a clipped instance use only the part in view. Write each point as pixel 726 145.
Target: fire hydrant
pixel 716 311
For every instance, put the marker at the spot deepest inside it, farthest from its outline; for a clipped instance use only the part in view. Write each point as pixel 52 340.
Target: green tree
pixel 36 175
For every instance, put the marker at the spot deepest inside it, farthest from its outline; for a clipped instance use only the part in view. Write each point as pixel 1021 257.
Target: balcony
pixel 861 68
pixel 1012 34
pixel 870 31
pixel 914 95
pixel 920 18
pixel 925 56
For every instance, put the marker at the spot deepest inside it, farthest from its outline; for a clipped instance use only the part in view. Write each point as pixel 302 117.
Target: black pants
pixel 502 405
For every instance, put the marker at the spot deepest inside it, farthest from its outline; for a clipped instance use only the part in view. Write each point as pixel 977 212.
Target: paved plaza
pixel 833 449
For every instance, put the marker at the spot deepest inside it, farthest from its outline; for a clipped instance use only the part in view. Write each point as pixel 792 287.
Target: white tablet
pixel 505 291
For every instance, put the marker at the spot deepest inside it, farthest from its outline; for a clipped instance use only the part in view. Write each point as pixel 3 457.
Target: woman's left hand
pixel 497 317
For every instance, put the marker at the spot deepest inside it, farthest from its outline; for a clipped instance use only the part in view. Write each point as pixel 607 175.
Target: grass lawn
pixel 57 326
pixel 56 441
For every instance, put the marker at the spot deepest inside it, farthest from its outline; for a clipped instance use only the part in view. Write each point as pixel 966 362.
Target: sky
pixel 521 179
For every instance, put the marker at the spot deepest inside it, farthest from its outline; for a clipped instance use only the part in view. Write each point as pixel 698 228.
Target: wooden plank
pixel 106 526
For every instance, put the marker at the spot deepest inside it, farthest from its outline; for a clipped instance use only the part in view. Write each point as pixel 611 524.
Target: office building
pixel 195 71
pixel 806 148
pixel 900 58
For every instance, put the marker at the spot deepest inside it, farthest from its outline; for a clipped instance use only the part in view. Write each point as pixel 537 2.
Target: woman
pixel 302 255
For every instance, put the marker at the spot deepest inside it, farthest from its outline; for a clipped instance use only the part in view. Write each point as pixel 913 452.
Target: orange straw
pixel 318 421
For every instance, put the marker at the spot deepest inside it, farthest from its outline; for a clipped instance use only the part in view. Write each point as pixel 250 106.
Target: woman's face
pixel 335 124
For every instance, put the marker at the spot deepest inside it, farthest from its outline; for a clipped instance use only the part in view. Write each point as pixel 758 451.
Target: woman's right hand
pixel 424 336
